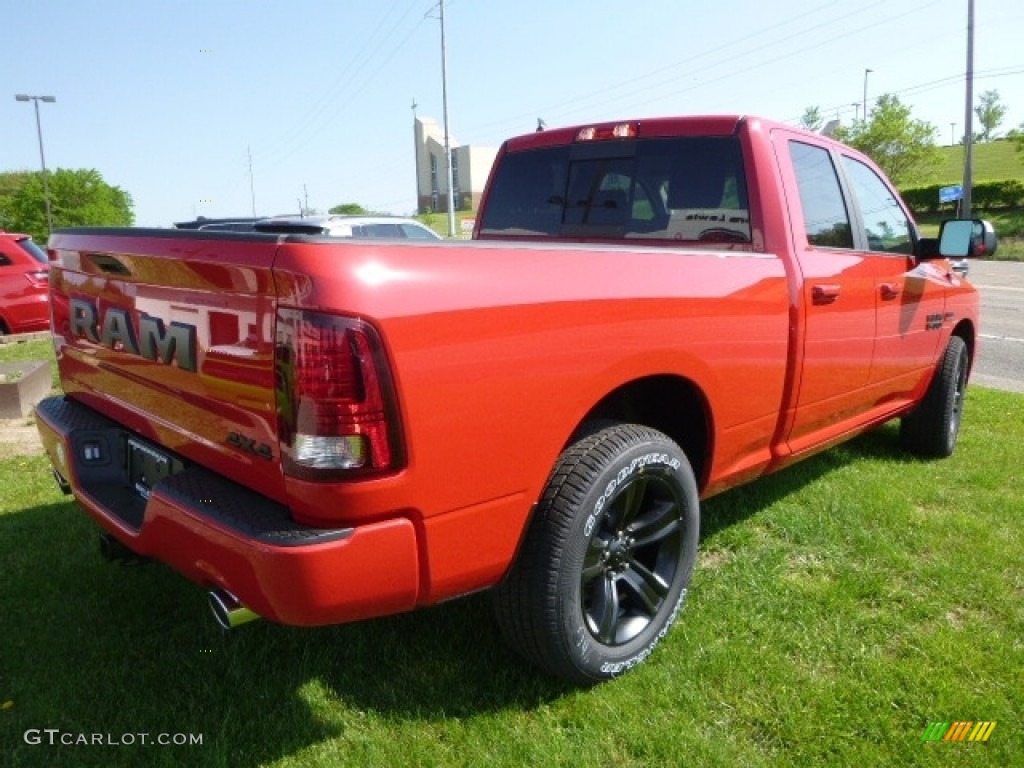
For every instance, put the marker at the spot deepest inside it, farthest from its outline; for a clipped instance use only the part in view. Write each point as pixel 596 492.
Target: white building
pixel 470 167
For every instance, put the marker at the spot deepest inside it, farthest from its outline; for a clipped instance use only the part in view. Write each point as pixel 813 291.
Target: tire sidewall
pixel 658 457
pixel 954 365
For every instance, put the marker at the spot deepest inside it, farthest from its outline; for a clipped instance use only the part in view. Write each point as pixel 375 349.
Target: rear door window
pixel 826 220
pixel 416 233
pixel 886 225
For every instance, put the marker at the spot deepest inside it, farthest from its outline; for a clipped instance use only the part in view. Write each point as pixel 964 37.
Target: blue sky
pixel 166 99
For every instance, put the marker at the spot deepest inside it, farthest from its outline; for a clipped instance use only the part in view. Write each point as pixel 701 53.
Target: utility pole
pixel 969 113
pixel 447 135
pixel 952 134
pixel 866 73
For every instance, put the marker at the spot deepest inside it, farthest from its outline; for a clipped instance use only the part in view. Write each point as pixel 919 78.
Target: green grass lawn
pixel 838 608
pixel 14 349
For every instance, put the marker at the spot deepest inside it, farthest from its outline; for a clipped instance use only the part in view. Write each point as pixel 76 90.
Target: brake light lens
pixel 38 278
pixel 603 132
pixel 336 405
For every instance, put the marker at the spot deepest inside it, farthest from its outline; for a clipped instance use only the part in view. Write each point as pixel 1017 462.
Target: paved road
pixel 1000 361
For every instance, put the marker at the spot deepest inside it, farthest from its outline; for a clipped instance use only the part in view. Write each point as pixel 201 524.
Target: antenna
pixel 252 188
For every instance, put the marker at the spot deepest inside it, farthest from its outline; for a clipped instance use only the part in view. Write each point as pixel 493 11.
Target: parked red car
pixel 24 285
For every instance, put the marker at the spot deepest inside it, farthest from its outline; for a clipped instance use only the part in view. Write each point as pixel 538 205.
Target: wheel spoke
pixel 958 398
pixel 648 586
pixel 633 500
pixel 593 565
pixel 661 521
pixel 606 609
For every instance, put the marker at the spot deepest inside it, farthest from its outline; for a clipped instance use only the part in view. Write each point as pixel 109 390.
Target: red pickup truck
pixel 651 312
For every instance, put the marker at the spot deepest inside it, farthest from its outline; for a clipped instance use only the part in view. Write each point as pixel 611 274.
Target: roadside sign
pixel 951 194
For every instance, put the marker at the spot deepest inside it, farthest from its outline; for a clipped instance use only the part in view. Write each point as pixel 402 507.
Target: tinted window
pixel 527 195
pixel 885 223
pixel 34 250
pixel 686 189
pixel 417 233
pixel 232 226
pixel 378 231
pixel 286 228
pixel 825 218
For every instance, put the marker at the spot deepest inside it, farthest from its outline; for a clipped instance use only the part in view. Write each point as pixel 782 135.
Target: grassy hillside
pixel 991 162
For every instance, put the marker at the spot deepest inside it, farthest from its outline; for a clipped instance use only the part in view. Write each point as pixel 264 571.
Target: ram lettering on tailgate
pixel 154 341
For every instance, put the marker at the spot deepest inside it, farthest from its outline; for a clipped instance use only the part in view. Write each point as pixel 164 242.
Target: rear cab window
pixel 689 189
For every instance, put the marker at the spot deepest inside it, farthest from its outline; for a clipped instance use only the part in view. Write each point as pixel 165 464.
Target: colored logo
pixel 961 730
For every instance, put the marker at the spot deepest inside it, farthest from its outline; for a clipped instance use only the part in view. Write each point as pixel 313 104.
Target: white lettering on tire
pixel 639 463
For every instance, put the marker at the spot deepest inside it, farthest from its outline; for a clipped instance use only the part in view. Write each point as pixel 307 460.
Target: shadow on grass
pixel 91 647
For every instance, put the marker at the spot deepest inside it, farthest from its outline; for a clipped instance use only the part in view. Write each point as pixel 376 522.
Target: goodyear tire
pixel 606 561
pixel 933 427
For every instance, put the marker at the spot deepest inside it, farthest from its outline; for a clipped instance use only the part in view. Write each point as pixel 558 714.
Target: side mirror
pixel 966 238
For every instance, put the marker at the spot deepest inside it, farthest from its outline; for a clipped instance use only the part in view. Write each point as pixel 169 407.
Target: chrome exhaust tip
pixel 228 611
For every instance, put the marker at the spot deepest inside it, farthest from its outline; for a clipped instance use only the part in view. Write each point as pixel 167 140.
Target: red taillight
pixel 335 401
pixel 38 278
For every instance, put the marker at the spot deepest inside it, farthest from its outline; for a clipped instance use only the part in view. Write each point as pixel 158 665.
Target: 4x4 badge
pixel 249 445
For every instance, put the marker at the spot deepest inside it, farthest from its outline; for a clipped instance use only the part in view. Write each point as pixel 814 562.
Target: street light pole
pixel 866 73
pixel 42 155
pixel 447 139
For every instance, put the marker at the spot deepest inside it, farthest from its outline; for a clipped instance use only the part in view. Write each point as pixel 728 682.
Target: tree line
pixel 78 198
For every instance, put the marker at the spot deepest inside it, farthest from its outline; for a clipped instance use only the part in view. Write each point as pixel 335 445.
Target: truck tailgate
pixel 172 335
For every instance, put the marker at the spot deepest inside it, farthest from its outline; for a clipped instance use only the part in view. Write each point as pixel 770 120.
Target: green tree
pixel 10 182
pixel 77 198
pixel 812 119
pixel 349 209
pixel 990 114
pixel 901 146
